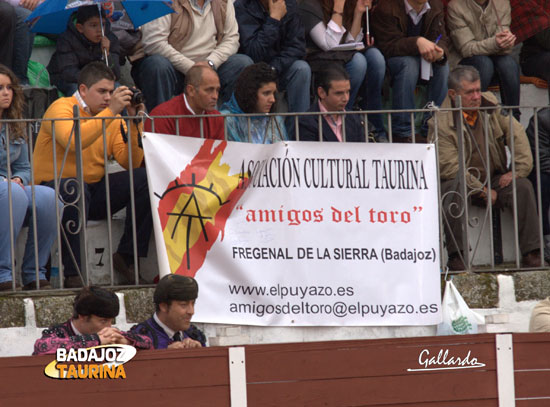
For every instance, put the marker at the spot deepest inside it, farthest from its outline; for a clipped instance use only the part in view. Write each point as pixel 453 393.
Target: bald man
pixel 200 96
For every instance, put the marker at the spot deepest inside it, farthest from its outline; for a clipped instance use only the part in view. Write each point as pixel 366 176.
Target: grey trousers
pixel 528 227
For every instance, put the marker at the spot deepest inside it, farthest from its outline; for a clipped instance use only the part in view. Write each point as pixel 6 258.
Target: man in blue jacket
pixel 333 89
pixel 271 31
pixel 170 326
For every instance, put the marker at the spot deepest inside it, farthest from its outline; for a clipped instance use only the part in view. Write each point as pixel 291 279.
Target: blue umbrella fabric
pixel 51 16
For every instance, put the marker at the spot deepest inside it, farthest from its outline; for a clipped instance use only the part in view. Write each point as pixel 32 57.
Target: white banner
pixel 299 233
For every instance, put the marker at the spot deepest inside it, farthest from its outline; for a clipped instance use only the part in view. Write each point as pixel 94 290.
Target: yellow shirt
pixel 93 161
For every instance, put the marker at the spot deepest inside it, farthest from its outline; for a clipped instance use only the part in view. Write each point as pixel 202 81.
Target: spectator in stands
pixel 465 82
pixel 481 37
pixel 7 33
pixel 13 136
pixel 200 32
pixel 81 44
pixel 23 37
pixel 411 35
pixel 200 96
pixel 540 317
pixel 254 93
pixel 170 326
pixel 93 311
pixel 330 23
pixel 96 97
pixel 535 57
pixel 271 31
pixel 333 90
pixel 544 159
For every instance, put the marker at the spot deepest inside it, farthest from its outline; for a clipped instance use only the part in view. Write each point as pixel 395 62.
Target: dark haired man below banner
pixel 170 326
pixel 333 89
pixel 93 311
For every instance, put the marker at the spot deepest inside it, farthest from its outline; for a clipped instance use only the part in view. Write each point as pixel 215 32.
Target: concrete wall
pixel 505 300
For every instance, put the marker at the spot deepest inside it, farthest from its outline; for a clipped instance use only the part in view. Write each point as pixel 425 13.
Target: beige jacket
pixel 499 136
pixel 540 317
pixel 188 36
pixel 473 29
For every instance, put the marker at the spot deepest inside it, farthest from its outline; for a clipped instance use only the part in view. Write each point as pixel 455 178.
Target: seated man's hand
pixel 493 195
pixel 110 335
pixel 428 49
pixel 505 179
pixel 185 344
pixel 123 340
pixel 505 39
pixel 439 53
pixel 121 98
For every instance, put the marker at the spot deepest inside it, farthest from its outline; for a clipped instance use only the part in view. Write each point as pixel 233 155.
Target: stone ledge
pixel 532 285
pixel 53 310
pixel 478 290
pixel 139 304
pixel 12 312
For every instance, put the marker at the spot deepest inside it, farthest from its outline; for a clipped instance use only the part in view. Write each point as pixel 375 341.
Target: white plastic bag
pixel 458 318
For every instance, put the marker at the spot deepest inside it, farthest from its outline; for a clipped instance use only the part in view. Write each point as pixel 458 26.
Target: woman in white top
pixel 331 23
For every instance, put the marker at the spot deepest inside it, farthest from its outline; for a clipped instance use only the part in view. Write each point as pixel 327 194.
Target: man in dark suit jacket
pixel 333 87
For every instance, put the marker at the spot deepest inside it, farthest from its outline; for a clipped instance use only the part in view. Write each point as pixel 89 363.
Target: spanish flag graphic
pixel 195 206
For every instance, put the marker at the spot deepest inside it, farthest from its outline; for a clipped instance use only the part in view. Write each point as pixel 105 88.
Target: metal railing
pixel 461 209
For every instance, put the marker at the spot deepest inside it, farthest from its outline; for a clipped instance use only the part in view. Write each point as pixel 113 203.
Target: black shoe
pixel 73 282
pixel 8 286
pixel 44 285
pixel 401 139
pixel 123 265
pixel 455 263
pixel 533 260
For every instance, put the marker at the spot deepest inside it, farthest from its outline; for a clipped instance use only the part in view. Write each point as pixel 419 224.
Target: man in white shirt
pixel 200 32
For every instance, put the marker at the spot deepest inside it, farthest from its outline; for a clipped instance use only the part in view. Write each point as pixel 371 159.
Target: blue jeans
pixel 405 73
pixel 356 69
pixel 160 81
pixel 297 82
pixel 46 227
pixel 372 89
pixel 507 70
pixel 24 39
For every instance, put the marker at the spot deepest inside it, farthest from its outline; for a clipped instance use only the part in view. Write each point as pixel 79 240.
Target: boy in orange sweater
pixel 98 98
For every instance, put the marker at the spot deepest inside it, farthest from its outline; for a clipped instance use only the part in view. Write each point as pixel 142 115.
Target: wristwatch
pixel 211 64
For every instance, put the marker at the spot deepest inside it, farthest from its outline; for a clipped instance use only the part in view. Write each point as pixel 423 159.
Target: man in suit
pixel 170 326
pixel 333 88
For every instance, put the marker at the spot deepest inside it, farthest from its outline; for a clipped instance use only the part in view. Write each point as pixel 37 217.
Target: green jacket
pixel 500 134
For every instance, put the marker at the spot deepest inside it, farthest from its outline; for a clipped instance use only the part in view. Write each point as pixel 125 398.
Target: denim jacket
pixel 263 129
pixel 19 158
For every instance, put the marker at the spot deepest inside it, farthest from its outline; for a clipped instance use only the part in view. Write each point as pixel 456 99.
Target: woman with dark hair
pixel 16 178
pixel 254 93
pixel 329 24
